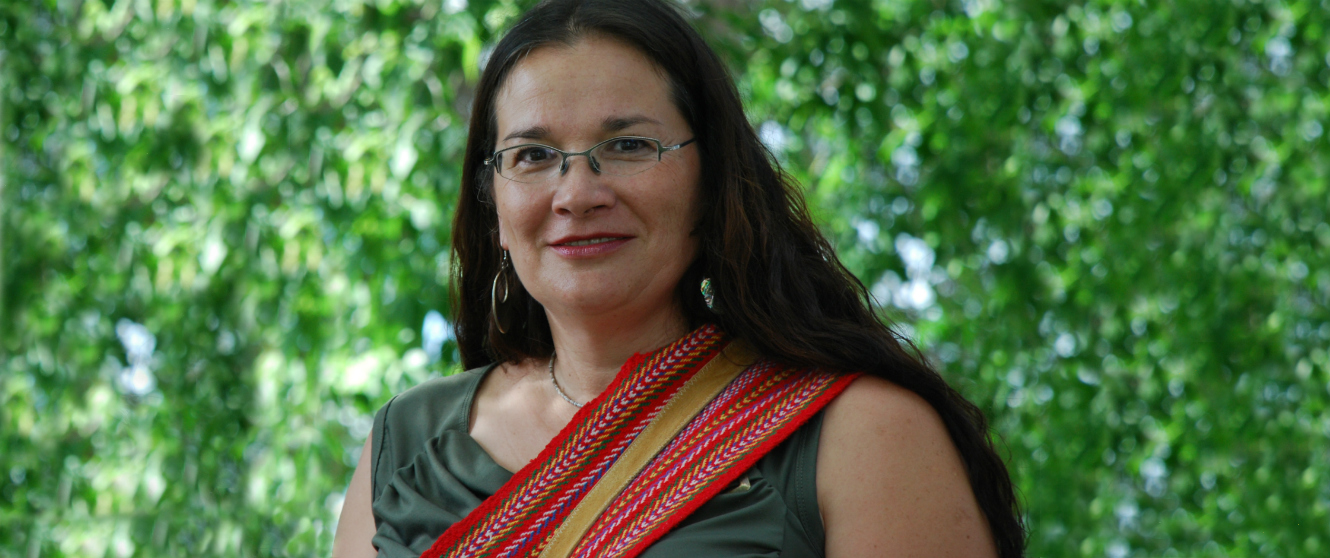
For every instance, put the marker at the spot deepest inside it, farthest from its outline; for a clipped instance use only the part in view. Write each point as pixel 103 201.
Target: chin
pixel 604 295
pixel 595 301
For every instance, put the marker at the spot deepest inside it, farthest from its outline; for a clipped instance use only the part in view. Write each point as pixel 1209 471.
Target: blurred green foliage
pixel 224 223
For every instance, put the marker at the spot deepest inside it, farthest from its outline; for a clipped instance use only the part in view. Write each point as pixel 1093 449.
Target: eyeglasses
pixel 534 163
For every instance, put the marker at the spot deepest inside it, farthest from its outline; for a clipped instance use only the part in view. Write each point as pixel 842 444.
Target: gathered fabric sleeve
pixel 428 473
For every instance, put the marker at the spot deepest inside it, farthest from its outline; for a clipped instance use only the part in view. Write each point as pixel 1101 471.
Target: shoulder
pixel 878 424
pixel 410 419
pixel 441 390
pixel 872 405
pixel 891 480
pixel 434 405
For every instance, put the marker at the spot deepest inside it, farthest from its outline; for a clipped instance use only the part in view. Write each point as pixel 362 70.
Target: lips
pixel 589 245
pixel 589 239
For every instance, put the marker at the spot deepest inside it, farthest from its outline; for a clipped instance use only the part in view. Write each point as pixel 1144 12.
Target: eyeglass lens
pixel 538 163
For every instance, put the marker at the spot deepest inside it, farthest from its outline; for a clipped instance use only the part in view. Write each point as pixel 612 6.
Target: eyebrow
pixel 534 132
pixel 617 123
pixel 610 124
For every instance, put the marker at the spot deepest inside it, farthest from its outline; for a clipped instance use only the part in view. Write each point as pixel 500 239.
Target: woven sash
pixel 757 410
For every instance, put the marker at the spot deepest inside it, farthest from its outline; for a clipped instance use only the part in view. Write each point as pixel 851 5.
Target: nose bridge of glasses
pixel 591 161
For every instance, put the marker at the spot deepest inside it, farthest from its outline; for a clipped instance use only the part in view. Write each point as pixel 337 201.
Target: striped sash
pixel 757 410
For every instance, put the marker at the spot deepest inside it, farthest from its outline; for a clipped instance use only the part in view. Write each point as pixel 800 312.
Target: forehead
pixel 572 89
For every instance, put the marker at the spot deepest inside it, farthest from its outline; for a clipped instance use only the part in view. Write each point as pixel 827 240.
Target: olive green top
pixel 428 473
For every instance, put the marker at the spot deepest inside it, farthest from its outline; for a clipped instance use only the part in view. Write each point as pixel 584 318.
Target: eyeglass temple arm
pixel 665 148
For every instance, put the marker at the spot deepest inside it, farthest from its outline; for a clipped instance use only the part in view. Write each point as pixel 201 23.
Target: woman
pixel 665 354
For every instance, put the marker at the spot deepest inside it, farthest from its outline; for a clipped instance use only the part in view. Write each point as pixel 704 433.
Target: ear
pixel 503 237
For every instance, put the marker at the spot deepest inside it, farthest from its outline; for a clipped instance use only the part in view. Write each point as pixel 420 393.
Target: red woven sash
pixel 758 410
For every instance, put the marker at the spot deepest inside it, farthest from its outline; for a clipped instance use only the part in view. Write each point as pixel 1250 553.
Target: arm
pixel 891 483
pixel 355 527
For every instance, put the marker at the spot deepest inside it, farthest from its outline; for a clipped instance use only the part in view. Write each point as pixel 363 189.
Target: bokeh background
pixel 225 233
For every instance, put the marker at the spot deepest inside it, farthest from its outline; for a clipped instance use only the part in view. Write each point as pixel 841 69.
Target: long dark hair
pixel 778 283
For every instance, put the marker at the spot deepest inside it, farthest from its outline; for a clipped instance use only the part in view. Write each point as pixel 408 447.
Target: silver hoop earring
pixel 494 289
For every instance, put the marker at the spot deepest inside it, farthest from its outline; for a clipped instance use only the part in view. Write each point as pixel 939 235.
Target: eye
pixel 533 155
pixel 628 146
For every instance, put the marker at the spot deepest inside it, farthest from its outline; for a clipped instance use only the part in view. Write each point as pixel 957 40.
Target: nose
pixel 567 160
pixel 581 190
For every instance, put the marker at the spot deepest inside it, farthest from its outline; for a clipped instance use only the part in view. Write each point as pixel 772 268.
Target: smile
pixel 588 247
pixel 591 241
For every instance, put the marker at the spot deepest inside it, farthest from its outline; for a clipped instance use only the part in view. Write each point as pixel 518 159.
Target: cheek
pixel 678 209
pixel 687 197
pixel 514 213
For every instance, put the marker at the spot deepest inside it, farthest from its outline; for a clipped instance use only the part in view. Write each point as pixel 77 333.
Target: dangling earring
pixel 709 294
pixel 494 289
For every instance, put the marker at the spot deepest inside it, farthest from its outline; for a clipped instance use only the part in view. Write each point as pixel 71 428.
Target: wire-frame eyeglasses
pixel 533 163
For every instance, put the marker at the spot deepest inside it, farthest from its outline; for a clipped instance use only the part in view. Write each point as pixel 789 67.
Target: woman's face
pixel 638 227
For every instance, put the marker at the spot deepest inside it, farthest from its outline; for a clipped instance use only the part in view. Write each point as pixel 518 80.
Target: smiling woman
pixel 666 356
pixel 642 223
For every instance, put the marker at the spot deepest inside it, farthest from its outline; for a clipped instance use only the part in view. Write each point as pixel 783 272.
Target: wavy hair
pixel 779 284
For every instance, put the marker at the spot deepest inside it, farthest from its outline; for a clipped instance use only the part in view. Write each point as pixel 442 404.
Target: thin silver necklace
pixel 559 389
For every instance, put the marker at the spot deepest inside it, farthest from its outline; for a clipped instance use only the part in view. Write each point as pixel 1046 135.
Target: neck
pixel 591 350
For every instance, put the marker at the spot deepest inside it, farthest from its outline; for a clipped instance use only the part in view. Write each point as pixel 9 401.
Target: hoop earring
pixel 709 294
pixel 494 288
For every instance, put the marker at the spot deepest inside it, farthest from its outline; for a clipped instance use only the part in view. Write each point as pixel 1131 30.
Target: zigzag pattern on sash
pixel 756 411
pixel 519 519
